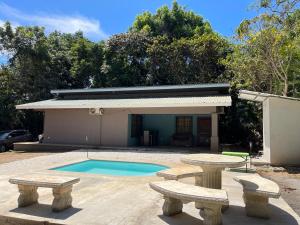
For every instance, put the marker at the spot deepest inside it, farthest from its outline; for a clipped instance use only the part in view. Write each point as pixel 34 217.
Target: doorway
pixel 203 131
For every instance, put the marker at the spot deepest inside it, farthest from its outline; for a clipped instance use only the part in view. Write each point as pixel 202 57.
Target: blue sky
pixel 99 19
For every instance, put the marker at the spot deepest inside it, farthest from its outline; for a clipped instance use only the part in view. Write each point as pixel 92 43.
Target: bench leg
pixel 28 195
pixel 172 206
pixel 256 206
pixel 62 198
pixel 211 214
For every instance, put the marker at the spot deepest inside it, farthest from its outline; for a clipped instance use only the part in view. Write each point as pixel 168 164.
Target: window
pixel 184 125
pixel 136 125
pixel 17 133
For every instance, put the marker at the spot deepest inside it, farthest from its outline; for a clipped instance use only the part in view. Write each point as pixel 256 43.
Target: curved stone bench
pixel 257 191
pixel 61 186
pixel 177 173
pixel 175 193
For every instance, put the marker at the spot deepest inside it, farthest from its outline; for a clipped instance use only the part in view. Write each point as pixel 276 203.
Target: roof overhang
pixel 179 102
pixel 252 96
pixel 260 97
pixel 147 89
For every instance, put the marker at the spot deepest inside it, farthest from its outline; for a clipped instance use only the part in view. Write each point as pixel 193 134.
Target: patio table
pixel 212 166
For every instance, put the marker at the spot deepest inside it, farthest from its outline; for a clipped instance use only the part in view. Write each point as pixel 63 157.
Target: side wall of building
pixel 266 131
pixel 284 131
pixel 76 126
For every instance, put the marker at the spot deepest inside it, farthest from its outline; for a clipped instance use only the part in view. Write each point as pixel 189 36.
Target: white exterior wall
pixel 281 131
pixel 76 126
pixel 266 131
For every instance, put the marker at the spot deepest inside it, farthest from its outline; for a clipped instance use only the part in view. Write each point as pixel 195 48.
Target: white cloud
pixel 51 22
pixel 12 23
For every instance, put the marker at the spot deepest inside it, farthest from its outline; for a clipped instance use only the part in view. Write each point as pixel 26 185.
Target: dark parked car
pixel 9 137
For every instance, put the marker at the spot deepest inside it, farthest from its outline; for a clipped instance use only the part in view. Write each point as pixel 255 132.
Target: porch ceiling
pixel 130 103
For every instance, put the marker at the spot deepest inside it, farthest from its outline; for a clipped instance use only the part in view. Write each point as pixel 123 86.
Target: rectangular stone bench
pixel 181 172
pixel 176 193
pixel 61 187
pixel 257 191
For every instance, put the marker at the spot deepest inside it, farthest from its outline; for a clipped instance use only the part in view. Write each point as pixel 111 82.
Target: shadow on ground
pixel 235 215
pixel 182 218
pixel 45 211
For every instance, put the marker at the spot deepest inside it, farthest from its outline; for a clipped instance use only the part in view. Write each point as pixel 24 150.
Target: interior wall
pixel 165 124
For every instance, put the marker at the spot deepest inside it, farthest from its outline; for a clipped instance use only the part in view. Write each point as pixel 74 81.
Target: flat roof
pixel 260 96
pixel 129 103
pixel 161 88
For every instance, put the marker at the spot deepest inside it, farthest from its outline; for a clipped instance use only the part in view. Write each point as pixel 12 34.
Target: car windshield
pixel 3 134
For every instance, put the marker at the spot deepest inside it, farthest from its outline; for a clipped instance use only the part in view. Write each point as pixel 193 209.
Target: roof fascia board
pixel 260 96
pixel 147 89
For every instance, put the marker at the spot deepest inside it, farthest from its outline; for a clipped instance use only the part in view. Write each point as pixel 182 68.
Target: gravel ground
pixel 289 183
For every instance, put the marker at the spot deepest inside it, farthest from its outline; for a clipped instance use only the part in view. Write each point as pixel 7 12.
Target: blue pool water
pixel 116 168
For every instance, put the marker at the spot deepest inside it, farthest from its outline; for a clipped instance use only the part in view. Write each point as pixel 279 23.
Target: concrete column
pixel 212 177
pixel 214 140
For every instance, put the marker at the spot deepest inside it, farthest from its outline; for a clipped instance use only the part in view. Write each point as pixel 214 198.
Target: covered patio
pixel 176 130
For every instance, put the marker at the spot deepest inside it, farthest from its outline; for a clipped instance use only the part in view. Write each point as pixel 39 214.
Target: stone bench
pixel 176 193
pixel 177 173
pixel 61 187
pixel 257 191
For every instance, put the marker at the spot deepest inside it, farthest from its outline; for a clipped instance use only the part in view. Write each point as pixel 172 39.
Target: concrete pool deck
pixel 109 200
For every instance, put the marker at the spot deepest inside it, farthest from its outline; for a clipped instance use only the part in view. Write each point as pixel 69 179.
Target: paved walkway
pixel 108 200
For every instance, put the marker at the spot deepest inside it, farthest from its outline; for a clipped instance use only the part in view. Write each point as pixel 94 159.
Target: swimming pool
pixel 116 168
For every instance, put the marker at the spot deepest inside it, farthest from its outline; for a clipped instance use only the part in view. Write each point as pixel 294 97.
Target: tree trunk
pixel 286 88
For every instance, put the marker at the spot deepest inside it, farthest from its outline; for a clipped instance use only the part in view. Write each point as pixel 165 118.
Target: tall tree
pixel 267 56
pixel 175 22
pixel 125 59
pixel 182 61
pixel 86 60
pixel 39 63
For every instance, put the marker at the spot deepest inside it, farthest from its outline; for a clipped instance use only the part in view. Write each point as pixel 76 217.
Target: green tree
pixel 182 61
pixel 7 101
pixel 59 46
pixel 175 22
pixel 125 59
pixel 86 61
pixel 39 63
pixel 267 55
